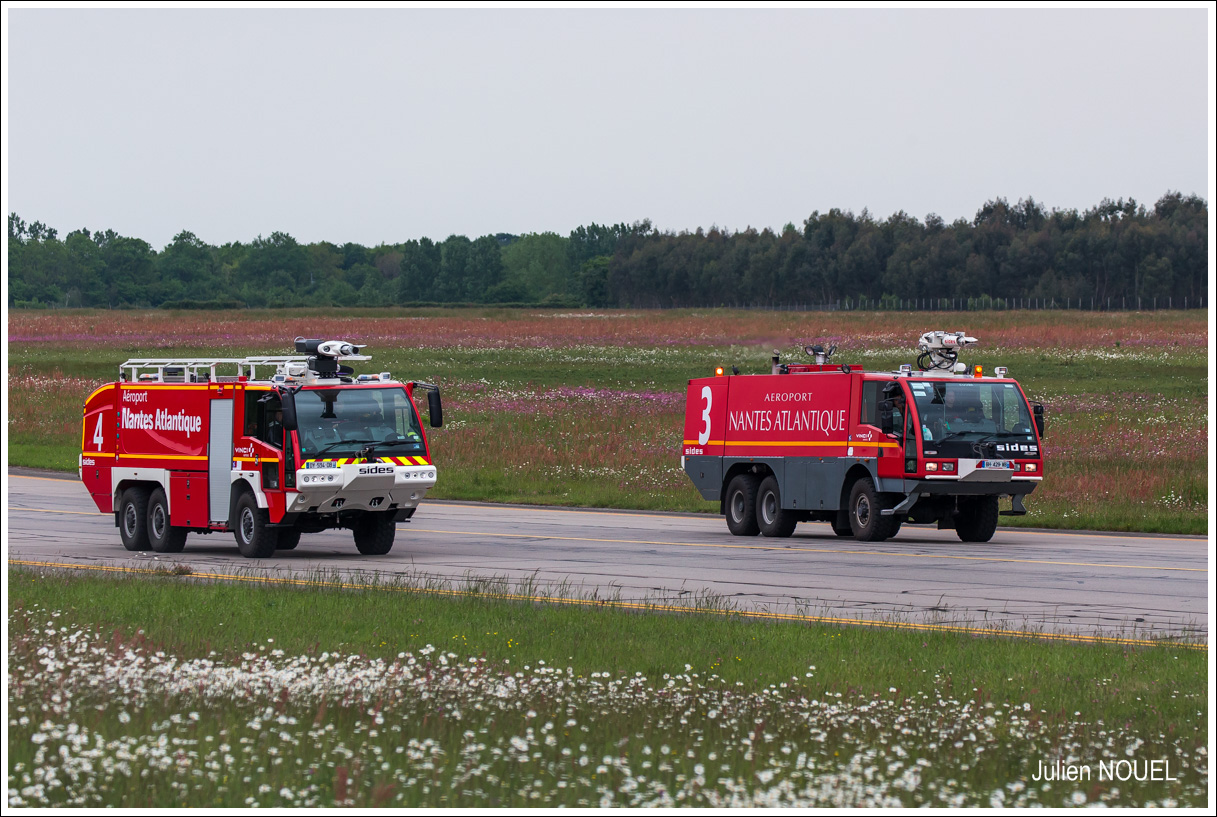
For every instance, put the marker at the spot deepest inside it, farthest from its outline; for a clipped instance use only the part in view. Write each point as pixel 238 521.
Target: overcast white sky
pixel 384 125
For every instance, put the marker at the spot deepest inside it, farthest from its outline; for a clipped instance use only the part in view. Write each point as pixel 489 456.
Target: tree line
pixel 1116 250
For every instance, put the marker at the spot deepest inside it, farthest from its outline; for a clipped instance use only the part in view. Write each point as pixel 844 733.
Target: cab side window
pixel 264 418
pixel 870 403
pixel 271 423
pixel 251 412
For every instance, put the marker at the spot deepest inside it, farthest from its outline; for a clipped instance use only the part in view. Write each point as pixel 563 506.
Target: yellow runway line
pixel 629 605
pixel 775 548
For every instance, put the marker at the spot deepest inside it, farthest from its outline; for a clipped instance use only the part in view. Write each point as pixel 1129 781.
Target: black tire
pixel 773 521
pixel 255 537
pixel 741 506
pixel 865 518
pixel 374 533
pixel 976 520
pixel 842 530
pixel 163 537
pixel 133 519
pixel 288 539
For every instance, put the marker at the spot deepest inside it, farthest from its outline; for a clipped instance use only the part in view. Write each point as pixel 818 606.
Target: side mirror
pixel 436 408
pixel 1038 411
pixel 289 410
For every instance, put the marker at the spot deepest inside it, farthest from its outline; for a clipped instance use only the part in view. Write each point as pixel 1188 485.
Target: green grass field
pixel 153 690
pixel 586 409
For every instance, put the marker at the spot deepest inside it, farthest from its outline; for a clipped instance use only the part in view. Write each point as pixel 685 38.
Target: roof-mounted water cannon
pixel 820 353
pixel 940 350
pixel 323 356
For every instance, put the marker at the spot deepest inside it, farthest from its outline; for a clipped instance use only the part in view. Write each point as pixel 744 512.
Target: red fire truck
pixel 266 447
pixel 864 451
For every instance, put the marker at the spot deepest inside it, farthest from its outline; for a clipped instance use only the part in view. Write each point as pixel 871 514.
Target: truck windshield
pixel 342 422
pixel 968 409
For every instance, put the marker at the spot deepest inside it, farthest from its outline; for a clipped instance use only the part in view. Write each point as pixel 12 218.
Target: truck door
pixel 219 460
pixel 890 447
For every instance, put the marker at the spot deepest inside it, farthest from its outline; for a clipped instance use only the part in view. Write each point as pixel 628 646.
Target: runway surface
pixel 1095 585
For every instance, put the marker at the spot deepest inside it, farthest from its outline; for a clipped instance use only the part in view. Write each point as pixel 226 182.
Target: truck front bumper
pixel 915 489
pixel 361 487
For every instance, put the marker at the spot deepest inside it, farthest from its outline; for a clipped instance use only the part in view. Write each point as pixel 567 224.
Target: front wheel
pixel 842 530
pixel 256 539
pixel 288 539
pixel 771 518
pixel 374 533
pixel 741 506
pixel 165 538
pixel 976 520
pixel 865 513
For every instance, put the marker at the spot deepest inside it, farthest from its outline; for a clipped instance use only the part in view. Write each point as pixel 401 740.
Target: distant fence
pixel 983 304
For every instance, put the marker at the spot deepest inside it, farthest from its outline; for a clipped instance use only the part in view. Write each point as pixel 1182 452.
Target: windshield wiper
pixel 332 446
pixel 369 451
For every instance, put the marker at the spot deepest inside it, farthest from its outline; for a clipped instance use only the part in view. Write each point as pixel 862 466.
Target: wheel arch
pixel 239 487
pixel 856 472
pixel 121 486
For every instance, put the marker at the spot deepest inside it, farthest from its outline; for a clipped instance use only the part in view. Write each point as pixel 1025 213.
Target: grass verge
pixel 158 690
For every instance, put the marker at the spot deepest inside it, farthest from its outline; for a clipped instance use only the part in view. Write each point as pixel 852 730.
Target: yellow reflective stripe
pixel 160 457
pixel 248 459
pixel 777 443
pixel 98 391
pixel 95 454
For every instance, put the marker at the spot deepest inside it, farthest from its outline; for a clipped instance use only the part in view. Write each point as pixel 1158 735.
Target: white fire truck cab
pixel 864 451
pixel 266 447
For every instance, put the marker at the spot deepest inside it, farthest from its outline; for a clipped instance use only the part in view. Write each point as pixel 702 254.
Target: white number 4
pixel 97 438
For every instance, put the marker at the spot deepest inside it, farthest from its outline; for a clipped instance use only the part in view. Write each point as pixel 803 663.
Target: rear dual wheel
pixel 754 505
pixel 771 518
pixel 162 536
pixel 133 519
pixel 740 505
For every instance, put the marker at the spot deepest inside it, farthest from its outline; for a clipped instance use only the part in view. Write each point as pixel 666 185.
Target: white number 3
pixel 704 436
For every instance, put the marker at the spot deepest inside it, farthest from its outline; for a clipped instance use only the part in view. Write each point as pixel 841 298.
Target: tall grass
pixel 161 691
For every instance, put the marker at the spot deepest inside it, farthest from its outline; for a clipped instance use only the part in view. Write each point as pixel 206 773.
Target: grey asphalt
pixel 1092 584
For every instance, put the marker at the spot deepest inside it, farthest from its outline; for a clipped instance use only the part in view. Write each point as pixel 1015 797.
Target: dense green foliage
pixel 1118 254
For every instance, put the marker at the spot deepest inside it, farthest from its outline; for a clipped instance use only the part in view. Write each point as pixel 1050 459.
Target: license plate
pixel 1005 464
pixel 321 464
